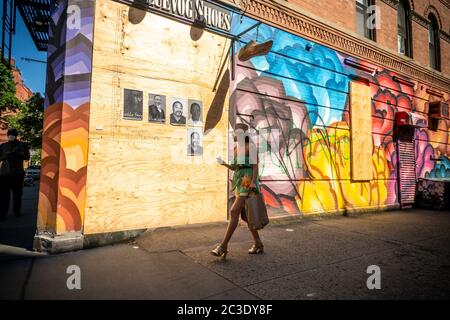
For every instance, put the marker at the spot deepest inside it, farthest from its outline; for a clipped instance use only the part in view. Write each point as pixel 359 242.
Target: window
pixel 404 28
pixel 433 43
pixel 362 19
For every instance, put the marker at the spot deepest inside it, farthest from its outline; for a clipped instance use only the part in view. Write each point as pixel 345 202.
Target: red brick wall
pixel 443 15
pixel 420 6
pixel 340 12
pixel 420 44
pixel 23 93
pixel 388 22
pixel 445 57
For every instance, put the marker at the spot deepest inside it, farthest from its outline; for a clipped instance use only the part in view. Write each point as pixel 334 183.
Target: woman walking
pixel 245 181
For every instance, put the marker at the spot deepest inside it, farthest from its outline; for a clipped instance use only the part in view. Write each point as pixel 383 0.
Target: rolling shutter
pixel 407 172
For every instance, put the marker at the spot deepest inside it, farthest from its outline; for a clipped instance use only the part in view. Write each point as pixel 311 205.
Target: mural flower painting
pixel 308 71
pixel 302 89
pixel 330 187
pixel 441 169
pixel 383 113
pixel 282 122
pixel 389 97
pixel 440 139
pixel 424 152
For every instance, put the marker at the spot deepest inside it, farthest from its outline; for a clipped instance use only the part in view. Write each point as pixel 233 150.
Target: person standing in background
pixel 12 155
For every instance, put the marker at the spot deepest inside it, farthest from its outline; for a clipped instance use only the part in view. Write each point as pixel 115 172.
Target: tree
pixel 8 99
pixel 29 120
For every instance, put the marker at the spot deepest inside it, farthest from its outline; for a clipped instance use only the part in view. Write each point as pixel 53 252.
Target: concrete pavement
pixel 328 258
pixel 321 258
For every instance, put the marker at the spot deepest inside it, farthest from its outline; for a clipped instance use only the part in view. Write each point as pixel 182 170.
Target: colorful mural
pixel 441 169
pixel 297 96
pixel 301 91
pixel 66 119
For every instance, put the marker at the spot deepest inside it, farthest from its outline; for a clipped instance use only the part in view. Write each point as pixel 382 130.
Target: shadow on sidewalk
pixel 19 231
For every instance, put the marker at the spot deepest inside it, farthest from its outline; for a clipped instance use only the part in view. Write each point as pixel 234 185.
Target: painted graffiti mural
pixel 65 132
pixel 299 97
pixel 301 91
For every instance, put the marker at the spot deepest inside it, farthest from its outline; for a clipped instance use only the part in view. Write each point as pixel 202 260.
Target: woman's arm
pixel 223 163
pixel 255 167
pixel 229 166
pixel 255 175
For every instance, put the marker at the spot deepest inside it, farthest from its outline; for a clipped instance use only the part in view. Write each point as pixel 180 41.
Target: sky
pixel 33 73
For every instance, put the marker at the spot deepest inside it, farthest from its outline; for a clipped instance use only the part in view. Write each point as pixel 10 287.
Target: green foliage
pixel 29 121
pixel 8 99
pixel 35 158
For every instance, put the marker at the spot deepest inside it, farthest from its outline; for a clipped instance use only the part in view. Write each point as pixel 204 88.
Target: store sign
pixel 195 10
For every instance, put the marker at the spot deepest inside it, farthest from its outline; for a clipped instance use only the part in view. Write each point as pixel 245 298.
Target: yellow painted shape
pixel 74 144
pixel 331 189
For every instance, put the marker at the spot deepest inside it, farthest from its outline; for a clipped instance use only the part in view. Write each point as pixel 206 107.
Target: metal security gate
pixel 406 172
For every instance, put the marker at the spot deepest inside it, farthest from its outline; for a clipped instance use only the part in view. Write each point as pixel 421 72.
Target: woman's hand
pixel 220 160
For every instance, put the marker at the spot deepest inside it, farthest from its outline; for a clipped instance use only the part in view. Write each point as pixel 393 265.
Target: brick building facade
pixel 23 93
pixel 342 13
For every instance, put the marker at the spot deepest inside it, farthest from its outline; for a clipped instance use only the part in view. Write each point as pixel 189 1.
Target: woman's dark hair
pixel 247 139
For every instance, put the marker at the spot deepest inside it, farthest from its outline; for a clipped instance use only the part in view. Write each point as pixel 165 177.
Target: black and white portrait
pixel 178 112
pixel 156 108
pixel 195 117
pixel 133 104
pixel 194 139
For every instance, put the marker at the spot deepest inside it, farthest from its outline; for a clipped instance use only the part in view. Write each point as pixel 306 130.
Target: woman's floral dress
pixel 242 177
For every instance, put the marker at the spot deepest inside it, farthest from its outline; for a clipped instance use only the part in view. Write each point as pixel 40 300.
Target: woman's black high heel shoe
pixel 219 252
pixel 256 249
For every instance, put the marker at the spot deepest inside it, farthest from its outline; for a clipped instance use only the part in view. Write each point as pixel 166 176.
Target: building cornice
pixel 444 35
pixel 290 18
pixel 420 19
pixel 445 3
pixel 391 3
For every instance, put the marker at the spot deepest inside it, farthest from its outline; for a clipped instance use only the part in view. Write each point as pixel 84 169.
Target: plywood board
pixel 139 173
pixel 361 131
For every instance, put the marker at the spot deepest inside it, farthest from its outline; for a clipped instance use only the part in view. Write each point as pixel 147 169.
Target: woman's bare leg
pixel 234 220
pixel 256 237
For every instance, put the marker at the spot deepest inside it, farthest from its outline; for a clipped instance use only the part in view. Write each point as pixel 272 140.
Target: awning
pixel 405 118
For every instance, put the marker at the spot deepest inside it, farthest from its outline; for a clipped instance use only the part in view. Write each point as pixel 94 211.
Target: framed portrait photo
pixel 195 115
pixel 132 104
pixel 194 141
pixel 156 108
pixel 177 111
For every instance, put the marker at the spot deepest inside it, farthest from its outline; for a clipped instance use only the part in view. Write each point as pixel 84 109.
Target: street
pixel 320 258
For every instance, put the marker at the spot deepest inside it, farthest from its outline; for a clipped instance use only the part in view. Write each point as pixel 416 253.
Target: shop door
pixel 406 166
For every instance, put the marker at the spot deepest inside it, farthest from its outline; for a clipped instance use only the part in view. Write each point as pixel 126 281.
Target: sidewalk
pixel 310 259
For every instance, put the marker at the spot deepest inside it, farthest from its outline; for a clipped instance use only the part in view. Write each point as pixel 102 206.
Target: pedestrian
pixel 245 181
pixel 12 155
